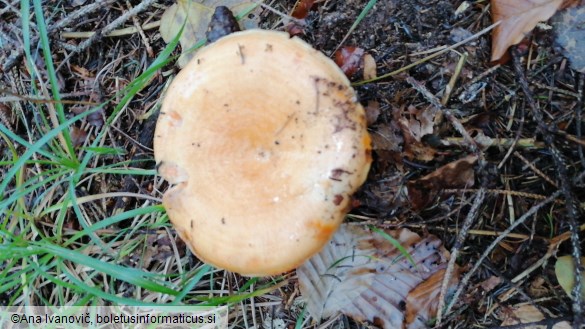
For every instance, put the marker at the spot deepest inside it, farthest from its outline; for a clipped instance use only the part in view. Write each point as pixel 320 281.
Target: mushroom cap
pixel 264 143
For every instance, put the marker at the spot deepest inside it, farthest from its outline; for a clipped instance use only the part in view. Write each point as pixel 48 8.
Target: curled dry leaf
pixel 457 174
pixel 518 18
pixel 195 16
pixel 369 67
pixel 490 283
pixel 387 138
pixel 78 135
pixel 423 301
pixel 349 59
pixel 302 8
pixel 372 112
pixel 363 275
pixel 527 314
pixel 415 124
pixel 481 139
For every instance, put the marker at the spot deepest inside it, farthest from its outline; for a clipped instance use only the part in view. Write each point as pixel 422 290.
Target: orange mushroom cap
pixel 264 143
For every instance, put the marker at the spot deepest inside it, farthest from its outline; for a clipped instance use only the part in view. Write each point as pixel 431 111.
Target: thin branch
pixel 573 212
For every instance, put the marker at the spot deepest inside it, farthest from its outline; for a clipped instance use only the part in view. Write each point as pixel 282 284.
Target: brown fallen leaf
pixel 372 112
pixel 363 275
pixel 302 8
pixel 370 70
pixel 349 59
pixel 527 314
pixel 387 137
pixel 422 302
pixel 415 124
pixel 518 18
pixel 457 174
pixel 491 283
pixel 78 136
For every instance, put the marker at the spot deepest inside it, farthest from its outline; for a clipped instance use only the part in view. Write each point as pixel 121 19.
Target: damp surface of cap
pixel 263 142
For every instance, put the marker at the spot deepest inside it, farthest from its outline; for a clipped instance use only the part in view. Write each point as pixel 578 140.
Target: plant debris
pixel 365 275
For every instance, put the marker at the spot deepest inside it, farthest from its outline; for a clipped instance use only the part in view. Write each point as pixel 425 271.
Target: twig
pixel 141 32
pixel 490 248
pixel 446 112
pixel 516 138
pixel 533 196
pixel 548 323
pixel 498 142
pixel 18 98
pixel 566 186
pixel 428 58
pixel 451 85
pixel 579 114
pixel 82 12
pixel 113 25
pixel 469 220
pixel 115 33
pixel 536 170
pixel 9 7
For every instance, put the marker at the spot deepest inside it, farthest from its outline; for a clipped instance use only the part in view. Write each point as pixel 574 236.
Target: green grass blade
pixel 48 56
pixel 130 275
pixel 35 148
pixel 113 220
pixel 395 243
pixel 99 292
pixel 201 272
pixel 360 17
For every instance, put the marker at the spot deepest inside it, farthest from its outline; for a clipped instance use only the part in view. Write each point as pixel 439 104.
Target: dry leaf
pixel 415 124
pixel 96 118
pixel 387 138
pixel 369 67
pixel 565 272
pixel 372 112
pixel 457 174
pixel 518 18
pixel 527 314
pixel 481 139
pixel 422 302
pixel 78 136
pixel 349 59
pixel 570 36
pixel 196 17
pixel 420 122
pixel 302 8
pixel 491 283
pixel 361 274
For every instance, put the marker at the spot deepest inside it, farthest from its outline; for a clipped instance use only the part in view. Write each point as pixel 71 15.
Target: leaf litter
pixel 407 31
pixel 194 17
pixel 363 275
pixel 518 18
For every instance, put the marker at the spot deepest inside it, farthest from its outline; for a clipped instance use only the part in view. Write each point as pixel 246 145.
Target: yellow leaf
pixel 565 271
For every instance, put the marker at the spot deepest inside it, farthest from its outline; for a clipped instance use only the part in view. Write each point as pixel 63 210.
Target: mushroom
pixel 264 142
